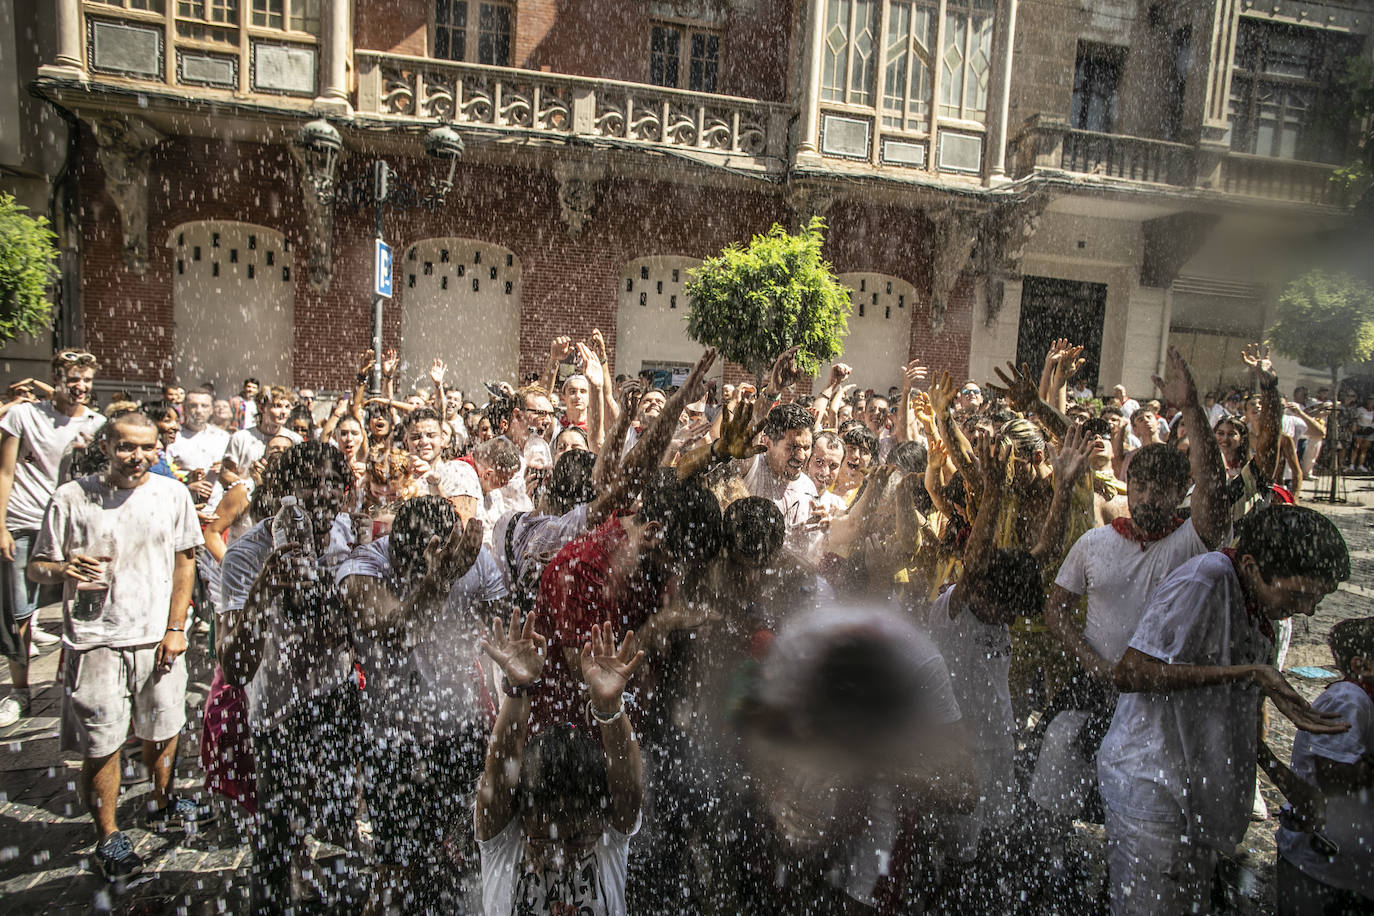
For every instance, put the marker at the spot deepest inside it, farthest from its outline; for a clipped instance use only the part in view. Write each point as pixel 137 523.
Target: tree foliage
pixel 27 266
pixel 1325 319
pixel 753 302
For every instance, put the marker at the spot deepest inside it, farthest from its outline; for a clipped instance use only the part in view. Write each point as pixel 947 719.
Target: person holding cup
pixel 124 625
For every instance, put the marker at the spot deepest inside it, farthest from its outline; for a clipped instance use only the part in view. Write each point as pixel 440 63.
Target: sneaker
pixel 116 858
pixel 1259 811
pixel 42 637
pixel 181 813
pixel 33 650
pixel 13 708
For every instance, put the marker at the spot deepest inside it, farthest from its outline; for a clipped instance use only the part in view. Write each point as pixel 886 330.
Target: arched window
pixel 879 337
pixel 233 304
pixel 460 301
pixel 651 319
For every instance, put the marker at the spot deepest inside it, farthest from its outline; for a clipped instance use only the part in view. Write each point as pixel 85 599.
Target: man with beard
pixel 122 544
pixel 283 636
pixel 37 440
pixel 1117 567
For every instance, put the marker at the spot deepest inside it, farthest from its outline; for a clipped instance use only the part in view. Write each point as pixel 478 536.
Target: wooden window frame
pixel 472 32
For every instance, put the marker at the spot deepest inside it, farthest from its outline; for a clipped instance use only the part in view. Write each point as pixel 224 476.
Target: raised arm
pixel 520 652
pixel 374 608
pixel 1070 463
pixel 1024 396
pixel 995 469
pixel 596 380
pixel 942 394
pixel 608 458
pixel 559 349
pixel 606 670
pixel 437 372
pixel 737 432
pixel 1256 356
pixel 1211 509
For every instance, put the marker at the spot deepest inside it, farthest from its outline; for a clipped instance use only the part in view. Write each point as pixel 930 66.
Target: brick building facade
pixel 1019 167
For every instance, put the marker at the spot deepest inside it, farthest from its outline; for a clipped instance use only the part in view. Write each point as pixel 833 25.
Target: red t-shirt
pixel 577 591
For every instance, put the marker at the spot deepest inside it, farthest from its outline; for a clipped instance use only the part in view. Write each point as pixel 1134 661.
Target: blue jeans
pixel 19 595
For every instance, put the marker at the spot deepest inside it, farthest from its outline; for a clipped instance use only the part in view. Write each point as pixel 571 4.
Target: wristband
pixel 605 720
pixel 176 629
pixel 520 690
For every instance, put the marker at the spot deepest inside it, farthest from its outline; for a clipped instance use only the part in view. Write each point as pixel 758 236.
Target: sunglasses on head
pixel 76 357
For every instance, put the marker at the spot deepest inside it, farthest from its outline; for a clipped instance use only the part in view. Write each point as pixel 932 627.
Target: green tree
pixel 27 266
pixel 1325 319
pixel 753 302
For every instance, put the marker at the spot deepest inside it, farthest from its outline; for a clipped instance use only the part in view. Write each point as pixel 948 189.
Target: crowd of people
pixel 588 645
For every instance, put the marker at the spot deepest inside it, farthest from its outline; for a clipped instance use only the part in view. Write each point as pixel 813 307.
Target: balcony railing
pixel 1049 145
pixel 748 132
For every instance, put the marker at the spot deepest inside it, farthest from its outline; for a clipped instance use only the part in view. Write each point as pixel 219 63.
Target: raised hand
pixel 437 371
pixel 599 344
pixel 1256 356
pixel 446 560
pixel 993 456
pixel 784 373
pixel 520 651
pixel 591 366
pixel 912 373
pixel 838 373
pixel 389 361
pixel 1019 387
pixel 694 386
pixel 366 361
pixel 942 393
pixel 925 414
pixel 737 433
pixel 630 393
pixel 1073 456
pixel 606 670
pixel 1068 361
pixel 560 348
pixel 1177 387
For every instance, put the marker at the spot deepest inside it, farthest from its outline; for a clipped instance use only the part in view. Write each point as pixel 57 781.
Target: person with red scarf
pixel 1177 767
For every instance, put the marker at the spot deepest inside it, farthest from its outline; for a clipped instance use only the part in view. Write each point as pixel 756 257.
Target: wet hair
pixel 909 457
pixel 571 484
pixel 497 452
pixel 1024 435
pixel 1159 462
pixel 828 436
pixel 1012 581
pixel 586 441
pixel 523 396
pixel 157 411
pixel 753 529
pixel 564 770
pixel 1001 416
pixel 689 514
pixel 1350 638
pixel 300 412
pixel 266 499
pixel 73 358
pixel 302 464
pixel 1243 451
pixel 417 521
pixel 128 416
pixel 271 394
pixel 1111 410
pixel 1294 541
pixel 786 417
pixel 862 438
pixel 421 414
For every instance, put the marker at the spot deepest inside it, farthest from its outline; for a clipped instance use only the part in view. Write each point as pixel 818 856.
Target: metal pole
pixel 379 192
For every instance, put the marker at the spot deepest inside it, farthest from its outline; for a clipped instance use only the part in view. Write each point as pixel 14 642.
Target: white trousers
pixel 1154 870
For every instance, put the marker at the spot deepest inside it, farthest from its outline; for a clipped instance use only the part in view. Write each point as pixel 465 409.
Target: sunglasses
pixel 77 358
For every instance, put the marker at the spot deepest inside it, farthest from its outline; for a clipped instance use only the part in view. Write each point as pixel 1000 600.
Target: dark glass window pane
pixel 441 12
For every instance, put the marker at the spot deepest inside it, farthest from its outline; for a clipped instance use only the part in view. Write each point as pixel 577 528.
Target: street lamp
pixel 443 145
pixel 320 145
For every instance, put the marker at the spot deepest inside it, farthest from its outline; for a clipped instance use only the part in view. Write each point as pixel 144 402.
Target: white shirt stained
pixel 593 886
pixel 45 441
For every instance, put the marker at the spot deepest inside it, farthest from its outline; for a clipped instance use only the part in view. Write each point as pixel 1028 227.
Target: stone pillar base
pixel 59 72
pixel 332 105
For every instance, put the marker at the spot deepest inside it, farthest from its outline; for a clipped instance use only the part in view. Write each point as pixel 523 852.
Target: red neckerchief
pixel 1130 532
pixel 1252 610
pixel 1367 687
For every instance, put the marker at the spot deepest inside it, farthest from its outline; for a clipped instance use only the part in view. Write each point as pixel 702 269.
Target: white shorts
pixel 1153 869
pixel 108 688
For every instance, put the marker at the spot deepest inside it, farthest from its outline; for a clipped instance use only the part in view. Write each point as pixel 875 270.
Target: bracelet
pixel 176 629
pixel 605 720
pixel 520 690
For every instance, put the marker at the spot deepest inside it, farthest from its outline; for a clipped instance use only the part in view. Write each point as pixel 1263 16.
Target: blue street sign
pixel 382 278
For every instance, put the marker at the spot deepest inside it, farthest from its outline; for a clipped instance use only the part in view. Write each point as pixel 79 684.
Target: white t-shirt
pixel 979 659
pixel 248 445
pixel 45 441
pixel 197 451
pixel 535 541
pixel 1188 756
pixel 593 886
pixel 300 659
pixel 1118 575
pixel 426 681
pixel 1349 816
pixel 145 527
pixel 1296 427
pixel 1215 413
pixel 794 497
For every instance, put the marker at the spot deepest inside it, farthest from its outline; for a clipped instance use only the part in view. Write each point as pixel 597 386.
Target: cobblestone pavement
pixel 46 838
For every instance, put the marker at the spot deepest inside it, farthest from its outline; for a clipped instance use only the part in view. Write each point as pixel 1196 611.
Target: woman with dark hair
pixel 164 414
pixel 301 422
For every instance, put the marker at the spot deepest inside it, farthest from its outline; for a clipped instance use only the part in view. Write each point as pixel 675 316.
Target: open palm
pixel 605 669
pixel 519 650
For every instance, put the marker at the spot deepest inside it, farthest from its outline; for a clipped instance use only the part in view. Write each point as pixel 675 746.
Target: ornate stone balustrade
pixel 392 86
pixel 1047 144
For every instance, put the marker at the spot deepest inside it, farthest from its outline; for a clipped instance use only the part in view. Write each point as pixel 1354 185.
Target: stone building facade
pixel 993 173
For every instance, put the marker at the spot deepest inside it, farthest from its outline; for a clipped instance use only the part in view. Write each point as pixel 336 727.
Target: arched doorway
pixel 233 304
pixel 651 319
pixel 460 301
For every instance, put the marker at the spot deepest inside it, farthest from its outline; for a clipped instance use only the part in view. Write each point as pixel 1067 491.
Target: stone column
pixel 813 28
pixel 336 44
pixel 67 62
pixel 1004 41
